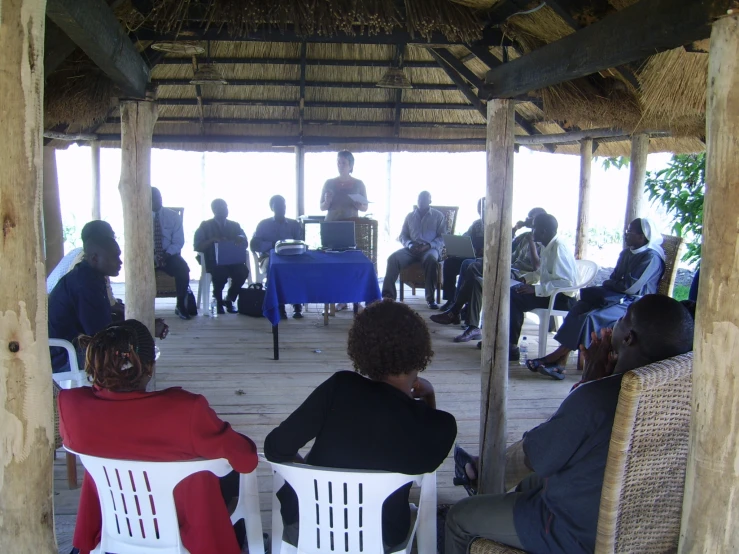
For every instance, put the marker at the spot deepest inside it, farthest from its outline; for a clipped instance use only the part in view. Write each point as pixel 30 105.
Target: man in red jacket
pixel 117 418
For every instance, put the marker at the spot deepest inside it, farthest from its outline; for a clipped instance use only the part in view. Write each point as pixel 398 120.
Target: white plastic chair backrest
pixel 74 377
pixel 137 502
pixel 587 271
pixel 340 510
pixel 257 276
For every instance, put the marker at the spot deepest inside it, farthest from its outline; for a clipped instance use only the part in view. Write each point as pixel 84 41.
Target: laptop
pixel 338 235
pixel 459 246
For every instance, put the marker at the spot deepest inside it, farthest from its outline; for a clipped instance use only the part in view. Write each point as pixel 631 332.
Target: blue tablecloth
pixel 318 277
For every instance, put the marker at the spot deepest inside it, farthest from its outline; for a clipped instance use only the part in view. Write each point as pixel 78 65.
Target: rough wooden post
pixel 26 405
pixel 137 125
pixel 637 176
pixel 53 228
pixel 95 159
pixel 388 195
pixel 300 179
pixel 583 205
pixel 711 501
pixel 496 295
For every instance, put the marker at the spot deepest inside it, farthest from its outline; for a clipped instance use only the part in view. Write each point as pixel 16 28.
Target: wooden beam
pixel 583 203
pixel 712 483
pixel 496 296
pixel 57 47
pixel 306 122
pixel 300 179
pixel 398 116
pixel 138 119
pixel 301 114
pixel 484 54
pixel 576 136
pixel 314 104
pixel 637 177
pixel 297 61
pixel 92 25
pixel 452 61
pixel 26 482
pixel 53 227
pixel 640 30
pixel 463 87
pixel 298 83
pixel 295 140
pixel 95 161
pixel 269 34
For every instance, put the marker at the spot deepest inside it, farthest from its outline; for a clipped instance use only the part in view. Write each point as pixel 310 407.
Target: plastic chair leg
pixel 543 334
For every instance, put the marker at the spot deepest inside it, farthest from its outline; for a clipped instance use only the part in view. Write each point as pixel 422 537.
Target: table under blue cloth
pixel 318 277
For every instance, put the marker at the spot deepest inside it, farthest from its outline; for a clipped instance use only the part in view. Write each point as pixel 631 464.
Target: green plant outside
pixel 680 292
pixel 680 188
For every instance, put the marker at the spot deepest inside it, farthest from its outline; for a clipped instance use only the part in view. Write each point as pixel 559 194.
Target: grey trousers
pixel 487 516
pixel 403 258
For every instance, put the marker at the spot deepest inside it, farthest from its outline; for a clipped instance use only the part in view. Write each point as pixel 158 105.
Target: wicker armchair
pixel 671 245
pixel 647 459
pixel 365 234
pixel 165 283
pixel 413 274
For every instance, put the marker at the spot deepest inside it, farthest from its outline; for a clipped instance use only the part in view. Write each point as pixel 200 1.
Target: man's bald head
pixel 655 328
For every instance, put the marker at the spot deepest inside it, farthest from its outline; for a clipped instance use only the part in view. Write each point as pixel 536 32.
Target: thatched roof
pixel 260 107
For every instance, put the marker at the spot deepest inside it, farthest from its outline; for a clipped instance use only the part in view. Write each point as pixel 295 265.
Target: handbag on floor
pixel 251 299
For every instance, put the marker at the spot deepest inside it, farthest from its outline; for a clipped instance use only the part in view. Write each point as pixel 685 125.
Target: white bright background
pixel 247 180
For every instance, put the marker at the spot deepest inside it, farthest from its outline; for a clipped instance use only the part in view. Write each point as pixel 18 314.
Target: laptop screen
pixel 338 235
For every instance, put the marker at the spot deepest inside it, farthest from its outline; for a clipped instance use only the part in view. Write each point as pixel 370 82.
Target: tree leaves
pixel 680 188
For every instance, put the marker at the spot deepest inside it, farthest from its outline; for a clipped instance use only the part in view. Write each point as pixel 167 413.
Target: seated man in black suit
pixel 210 232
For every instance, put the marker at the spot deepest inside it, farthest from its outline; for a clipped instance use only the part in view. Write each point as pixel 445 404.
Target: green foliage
pixel 680 292
pixel 680 188
pixel 616 162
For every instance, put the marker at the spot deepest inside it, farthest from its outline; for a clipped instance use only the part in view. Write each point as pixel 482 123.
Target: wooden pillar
pixel 300 179
pixel 95 159
pixel 137 125
pixel 496 295
pixel 26 405
pixel 583 205
pixel 388 195
pixel 53 228
pixel 711 501
pixel 637 176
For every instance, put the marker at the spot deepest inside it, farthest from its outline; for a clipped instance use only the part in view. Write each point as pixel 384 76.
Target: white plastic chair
pixel 587 271
pixel 73 378
pixel 341 510
pixel 257 276
pixel 204 286
pixel 138 509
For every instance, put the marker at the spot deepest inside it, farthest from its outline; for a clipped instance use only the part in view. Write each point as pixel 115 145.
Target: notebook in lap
pixel 338 235
pixel 458 246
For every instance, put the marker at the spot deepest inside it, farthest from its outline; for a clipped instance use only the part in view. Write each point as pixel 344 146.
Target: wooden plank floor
pixel 228 359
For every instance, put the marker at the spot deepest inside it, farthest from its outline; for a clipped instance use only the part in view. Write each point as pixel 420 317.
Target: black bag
pixel 190 303
pixel 251 300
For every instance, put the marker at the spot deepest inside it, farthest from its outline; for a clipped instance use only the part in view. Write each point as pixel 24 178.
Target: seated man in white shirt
pixel 422 242
pixel 557 270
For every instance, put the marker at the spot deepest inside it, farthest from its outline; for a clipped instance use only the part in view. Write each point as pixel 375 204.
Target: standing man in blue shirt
pixel 422 242
pixel 268 232
pixel 169 239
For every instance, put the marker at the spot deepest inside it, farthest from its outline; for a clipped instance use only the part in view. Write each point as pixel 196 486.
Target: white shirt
pixel 557 269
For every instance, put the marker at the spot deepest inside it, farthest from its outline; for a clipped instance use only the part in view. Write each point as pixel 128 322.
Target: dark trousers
pixel 451 268
pixel 522 303
pixel 175 266
pixel 219 274
pixel 487 516
pixel 230 491
pixel 403 258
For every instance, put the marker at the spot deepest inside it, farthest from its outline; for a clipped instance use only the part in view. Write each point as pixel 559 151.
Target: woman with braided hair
pixel 117 418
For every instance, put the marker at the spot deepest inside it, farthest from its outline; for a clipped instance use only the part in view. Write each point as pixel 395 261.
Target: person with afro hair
pixel 382 416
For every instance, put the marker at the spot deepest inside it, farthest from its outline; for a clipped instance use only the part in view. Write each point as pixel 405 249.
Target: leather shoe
pixel 181 313
pixel 514 354
pixel 447 305
pixel 471 333
pixel 433 305
pixel 446 318
pixel 283 314
pixel 230 308
pixel 297 315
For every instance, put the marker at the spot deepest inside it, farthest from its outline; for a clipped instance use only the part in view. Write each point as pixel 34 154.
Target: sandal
pixel 535 364
pixel 552 370
pixel 461 459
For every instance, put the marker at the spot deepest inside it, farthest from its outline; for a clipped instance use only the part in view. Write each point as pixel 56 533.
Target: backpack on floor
pixel 190 303
pixel 251 299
